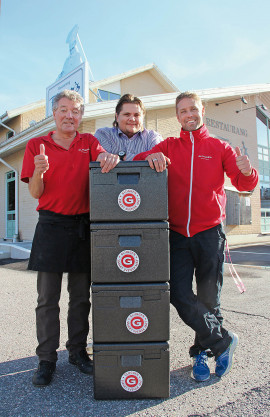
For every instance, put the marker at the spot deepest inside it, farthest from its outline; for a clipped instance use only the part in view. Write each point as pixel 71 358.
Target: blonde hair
pixel 187 94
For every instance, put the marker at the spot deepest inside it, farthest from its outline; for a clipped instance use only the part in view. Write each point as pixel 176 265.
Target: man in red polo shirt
pixel 56 168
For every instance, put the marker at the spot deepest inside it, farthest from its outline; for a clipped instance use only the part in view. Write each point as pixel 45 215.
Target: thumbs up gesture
pixel 41 161
pixel 243 162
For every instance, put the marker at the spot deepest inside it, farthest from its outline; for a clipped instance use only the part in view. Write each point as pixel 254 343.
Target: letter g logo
pixel 129 200
pixel 127 261
pixel 137 322
pixel 131 381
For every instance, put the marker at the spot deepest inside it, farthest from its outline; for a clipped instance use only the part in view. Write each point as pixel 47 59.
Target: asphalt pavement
pixel 256 255
pixel 243 392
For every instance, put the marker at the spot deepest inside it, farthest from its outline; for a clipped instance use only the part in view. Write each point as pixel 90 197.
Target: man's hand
pixel 36 186
pixel 243 163
pixel 107 161
pixel 41 161
pixel 158 161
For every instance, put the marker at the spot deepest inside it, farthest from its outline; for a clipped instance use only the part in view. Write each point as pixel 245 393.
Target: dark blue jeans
pixel 202 254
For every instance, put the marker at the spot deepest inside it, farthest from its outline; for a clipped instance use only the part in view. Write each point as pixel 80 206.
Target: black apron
pixel 61 243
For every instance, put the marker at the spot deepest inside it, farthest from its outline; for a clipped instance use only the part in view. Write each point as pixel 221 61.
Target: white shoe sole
pixel 232 349
pixel 198 380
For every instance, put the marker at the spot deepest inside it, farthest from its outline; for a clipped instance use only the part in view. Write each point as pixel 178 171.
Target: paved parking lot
pixel 243 392
pixel 258 255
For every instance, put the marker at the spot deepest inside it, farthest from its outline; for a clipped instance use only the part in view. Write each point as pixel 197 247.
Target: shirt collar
pixel 120 133
pixel 49 138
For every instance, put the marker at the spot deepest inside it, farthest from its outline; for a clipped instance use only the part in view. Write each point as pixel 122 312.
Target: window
pixel 10 204
pixel 9 134
pixel 262 129
pixel 265 220
pixel 238 208
pixel 263 136
pixel 108 95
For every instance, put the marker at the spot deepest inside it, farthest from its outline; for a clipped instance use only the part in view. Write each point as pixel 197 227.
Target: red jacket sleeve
pixel 160 147
pixel 240 181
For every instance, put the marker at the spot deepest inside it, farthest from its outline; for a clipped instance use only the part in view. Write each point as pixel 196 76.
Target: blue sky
pixel 197 44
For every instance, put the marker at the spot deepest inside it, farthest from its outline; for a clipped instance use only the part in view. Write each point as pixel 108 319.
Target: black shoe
pixel 43 374
pixel 82 361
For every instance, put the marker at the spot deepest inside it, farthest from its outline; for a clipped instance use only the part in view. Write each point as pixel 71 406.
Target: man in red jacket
pixel 196 166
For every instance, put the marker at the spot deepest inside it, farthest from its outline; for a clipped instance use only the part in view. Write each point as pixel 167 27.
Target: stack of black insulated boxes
pixel 130 273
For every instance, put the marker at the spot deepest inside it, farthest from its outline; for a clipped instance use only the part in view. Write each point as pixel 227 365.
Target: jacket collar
pixel 199 134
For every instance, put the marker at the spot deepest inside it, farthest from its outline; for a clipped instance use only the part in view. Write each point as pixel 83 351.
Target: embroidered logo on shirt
pixel 205 157
pixel 84 150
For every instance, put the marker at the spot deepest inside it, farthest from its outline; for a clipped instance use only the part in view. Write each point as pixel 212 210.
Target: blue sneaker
pixel 224 361
pixel 200 370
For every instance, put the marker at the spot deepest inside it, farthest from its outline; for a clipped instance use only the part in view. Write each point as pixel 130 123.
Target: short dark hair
pixel 127 98
pixel 187 94
pixel 70 95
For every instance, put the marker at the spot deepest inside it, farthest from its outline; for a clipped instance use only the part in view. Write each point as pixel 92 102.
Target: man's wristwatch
pixel 121 155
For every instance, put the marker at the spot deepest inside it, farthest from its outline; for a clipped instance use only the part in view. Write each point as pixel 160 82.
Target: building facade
pixel 237 115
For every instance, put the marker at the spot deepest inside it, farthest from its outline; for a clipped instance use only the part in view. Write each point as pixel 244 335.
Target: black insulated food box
pixel 129 192
pixel 130 313
pixel 129 252
pixel 135 370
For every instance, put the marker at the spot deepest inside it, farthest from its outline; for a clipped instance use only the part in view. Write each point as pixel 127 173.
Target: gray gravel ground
pixel 243 392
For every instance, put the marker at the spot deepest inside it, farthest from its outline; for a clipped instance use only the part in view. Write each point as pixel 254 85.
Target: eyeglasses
pixel 74 112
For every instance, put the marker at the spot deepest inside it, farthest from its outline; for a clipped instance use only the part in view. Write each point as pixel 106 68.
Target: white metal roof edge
pixel 121 76
pixel 23 137
pixel 241 90
pixel 20 110
pixel 131 73
pixel 105 108
pixel 168 99
pixel 168 81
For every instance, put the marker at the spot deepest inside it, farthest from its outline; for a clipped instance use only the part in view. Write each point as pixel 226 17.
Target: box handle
pixel 128 178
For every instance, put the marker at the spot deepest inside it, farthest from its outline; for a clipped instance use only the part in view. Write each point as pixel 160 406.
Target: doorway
pixel 10 206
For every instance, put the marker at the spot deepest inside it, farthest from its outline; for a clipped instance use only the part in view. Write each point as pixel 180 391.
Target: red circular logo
pixel 129 200
pixel 131 381
pixel 127 261
pixel 137 322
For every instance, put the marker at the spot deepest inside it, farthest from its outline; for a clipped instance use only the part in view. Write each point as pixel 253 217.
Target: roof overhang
pixel 10 114
pixel 18 142
pixel 107 108
pixel 231 92
pixel 152 68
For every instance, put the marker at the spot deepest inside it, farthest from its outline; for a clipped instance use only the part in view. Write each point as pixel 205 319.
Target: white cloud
pixel 243 52
pixel 180 71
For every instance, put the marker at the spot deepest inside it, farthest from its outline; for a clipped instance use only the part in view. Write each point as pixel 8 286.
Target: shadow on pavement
pixel 15 264
pixel 71 392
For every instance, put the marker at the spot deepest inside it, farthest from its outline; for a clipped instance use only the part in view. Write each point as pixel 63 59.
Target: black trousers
pixel 202 254
pixel 47 313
